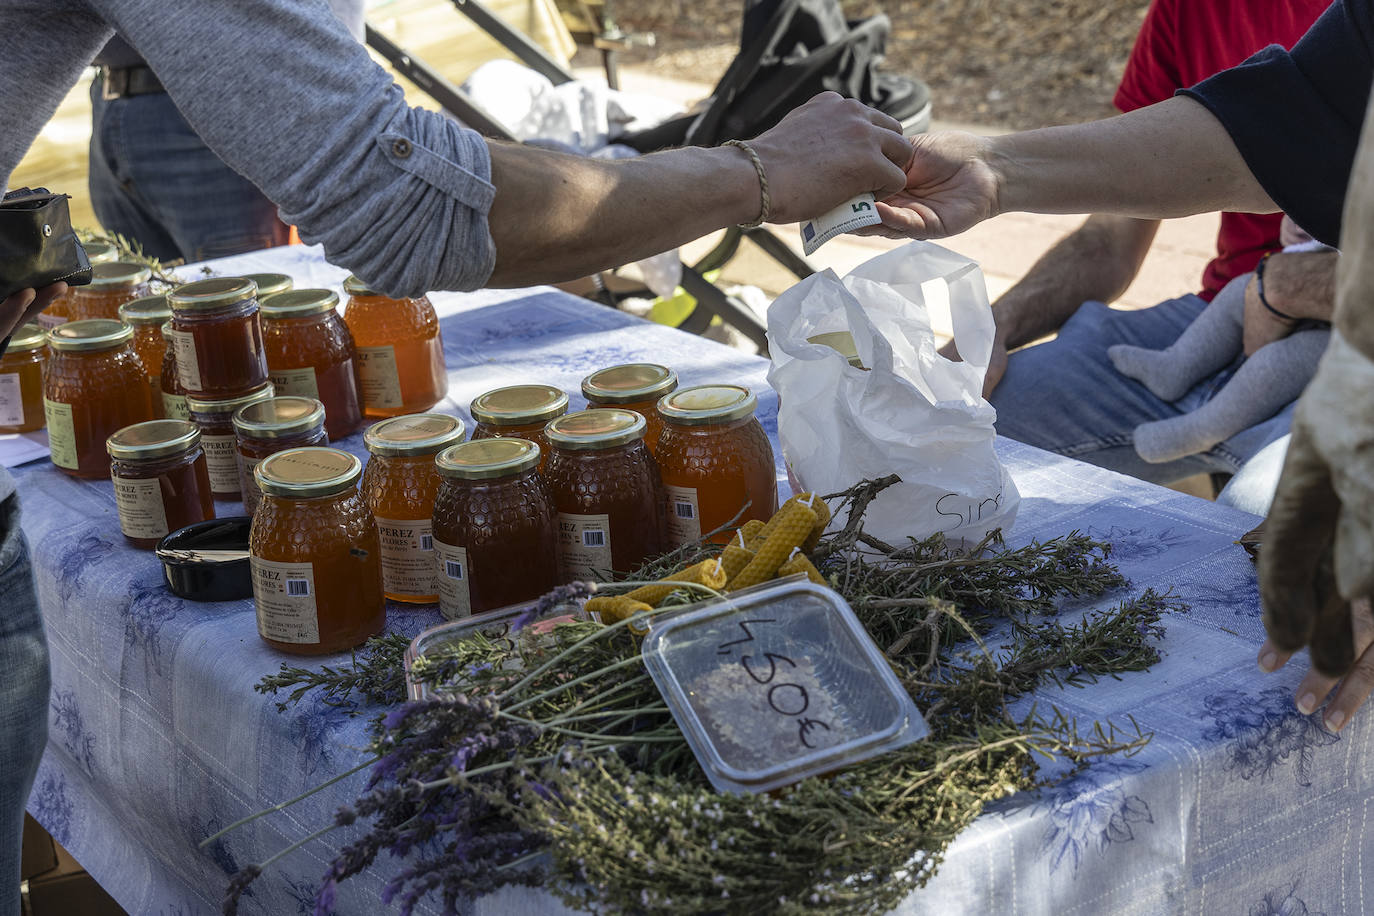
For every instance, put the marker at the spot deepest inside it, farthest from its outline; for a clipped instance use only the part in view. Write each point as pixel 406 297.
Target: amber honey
pixel 399 486
pixel 632 386
pixel 93 387
pixel 217 336
pixel 146 316
pixel 161 482
pixel 311 354
pixel 519 412
pixel 58 311
pixel 315 555
pixel 495 527
pixel 173 396
pixel 21 380
pixel 274 425
pixel 400 353
pixel 215 417
pixel 112 284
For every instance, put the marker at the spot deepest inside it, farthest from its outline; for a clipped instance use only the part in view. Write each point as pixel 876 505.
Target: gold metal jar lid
pixel 118 275
pixel 214 293
pixel 153 439
pixel 270 284
pixel 146 310
pixel 598 428
pixel 100 251
pixel 707 404
pixel 356 286
pixel 414 434
pixel 297 303
pixel 519 405
pixel 276 418
pixel 629 383
pixel 301 473
pixel 28 337
pixel 91 334
pixel 229 405
pixel 485 459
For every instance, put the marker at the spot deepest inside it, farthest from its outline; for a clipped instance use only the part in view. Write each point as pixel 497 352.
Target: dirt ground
pixel 1005 63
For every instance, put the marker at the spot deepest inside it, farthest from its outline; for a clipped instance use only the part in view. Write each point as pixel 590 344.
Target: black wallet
pixel 38 246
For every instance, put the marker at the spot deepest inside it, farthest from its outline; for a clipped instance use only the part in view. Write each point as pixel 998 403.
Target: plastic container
pixel 215 417
pixel 311 354
pixel 266 427
pixel 400 353
pixel 217 335
pixel 776 684
pixel 112 284
pixel 161 482
pixel 632 386
pixel 208 561
pixel 146 316
pixel 518 412
pixel 21 380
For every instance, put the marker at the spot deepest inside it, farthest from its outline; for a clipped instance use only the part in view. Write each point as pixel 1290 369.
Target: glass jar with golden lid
pixel 21 380
pixel 495 527
pixel 607 490
pixel 270 284
pixel 632 386
pixel 311 354
pixel 215 417
pixel 93 387
pixel 217 336
pixel 161 482
pixel 313 549
pixel 112 284
pixel 173 395
pixel 98 251
pixel 399 486
pixel 273 425
pixel 715 458
pixel 400 353
pixel 518 411
pixel 147 315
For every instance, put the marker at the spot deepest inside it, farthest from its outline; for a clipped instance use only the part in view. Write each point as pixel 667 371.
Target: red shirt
pixel 1182 42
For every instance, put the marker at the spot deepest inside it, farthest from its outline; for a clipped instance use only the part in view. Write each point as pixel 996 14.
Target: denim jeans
pixel 152 179
pixel 1066 397
pixel 24 683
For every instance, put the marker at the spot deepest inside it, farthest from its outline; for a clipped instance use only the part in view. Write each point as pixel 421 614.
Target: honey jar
pixel 400 353
pixel 266 427
pixel 399 486
pixel 607 491
pixel 632 386
pixel 495 527
pixel 520 411
pixel 217 336
pixel 161 482
pixel 172 394
pixel 146 316
pixel 313 550
pixel 58 311
pixel 215 417
pixel 94 386
pixel 21 380
pixel 310 354
pixel 112 284
pixel 270 284
pixel 715 458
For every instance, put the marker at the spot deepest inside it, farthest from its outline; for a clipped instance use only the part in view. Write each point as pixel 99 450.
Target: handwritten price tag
pixel 847 217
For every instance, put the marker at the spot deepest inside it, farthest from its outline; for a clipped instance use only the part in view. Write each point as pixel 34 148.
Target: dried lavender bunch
pixel 377 672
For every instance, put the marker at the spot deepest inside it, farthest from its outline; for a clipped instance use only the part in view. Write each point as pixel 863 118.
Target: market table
pixel 1238 804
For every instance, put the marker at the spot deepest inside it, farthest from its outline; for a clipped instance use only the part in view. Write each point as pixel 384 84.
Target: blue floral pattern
pixel 150 608
pixel 1262 731
pixel 67 723
pixel 1283 901
pixel 1138 543
pixel 53 809
pixel 1238 597
pixel 1091 810
pixel 73 559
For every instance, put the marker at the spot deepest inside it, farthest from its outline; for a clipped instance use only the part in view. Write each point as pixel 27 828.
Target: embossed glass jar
pixel 98 251
pixel 311 354
pixel 400 353
pixel 518 411
pixel 632 386
pixel 266 427
pixel 147 315
pixel 112 284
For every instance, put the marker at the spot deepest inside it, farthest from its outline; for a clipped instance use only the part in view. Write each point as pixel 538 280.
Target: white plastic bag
pixel 911 412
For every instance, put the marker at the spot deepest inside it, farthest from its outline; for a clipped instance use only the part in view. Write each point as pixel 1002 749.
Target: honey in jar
pixel 215 417
pixel 146 316
pixel 172 394
pixel 400 353
pixel 313 549
pixel 21 380
pixel 160 479
pixel 98 251
pixel 266 427
pixel 94 386
pixel 519 411
pixel 607 490
pixel 715 458
pixel 217 336
pixel 311 354
pixel 399 486
pixel 495 527
pixel 632 386
pixel 270 284
pixel 112 284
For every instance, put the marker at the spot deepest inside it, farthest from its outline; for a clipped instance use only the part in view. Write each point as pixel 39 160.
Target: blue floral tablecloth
pixel 1239 804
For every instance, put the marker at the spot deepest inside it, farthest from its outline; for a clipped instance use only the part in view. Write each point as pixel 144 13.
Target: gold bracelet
pixel 765 202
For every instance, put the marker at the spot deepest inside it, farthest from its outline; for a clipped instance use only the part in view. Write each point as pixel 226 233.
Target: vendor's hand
pixel 1352 690
pixel 997 362
pixel 1261 326
pixel 25 305
pixel 949 188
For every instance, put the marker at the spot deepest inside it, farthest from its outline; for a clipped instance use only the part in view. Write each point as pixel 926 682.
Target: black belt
pixel 122 82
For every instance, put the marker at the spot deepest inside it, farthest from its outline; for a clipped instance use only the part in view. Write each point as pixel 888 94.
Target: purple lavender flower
pixel 563 594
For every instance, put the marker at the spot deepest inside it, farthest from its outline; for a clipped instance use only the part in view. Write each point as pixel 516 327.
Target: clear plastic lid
pixel 776 684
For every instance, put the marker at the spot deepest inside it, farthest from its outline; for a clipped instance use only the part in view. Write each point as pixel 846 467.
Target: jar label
pixel 297 382
pixel 188 365
pixel 248 484
pixel 141 510
pixel 584 545
pixel 451 565
pixel 47 321
pixel 381 381
pixel 174 407
pixel 61 434
pixel 285 597
pixel 407 556
pixel 11 400
pixel 684 518
pixel 222 461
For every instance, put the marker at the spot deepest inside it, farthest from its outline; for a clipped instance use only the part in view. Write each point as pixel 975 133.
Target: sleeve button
pixel 401 148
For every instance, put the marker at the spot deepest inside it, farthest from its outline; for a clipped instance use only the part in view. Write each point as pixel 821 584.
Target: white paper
pixel 21 448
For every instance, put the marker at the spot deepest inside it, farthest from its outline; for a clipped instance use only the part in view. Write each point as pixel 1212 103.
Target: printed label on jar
pixel 684 519
pixel 222 461
pixel 584 545
pixel 174 407
pixel 141 510
pixel 407 556
pixel 381 381
pixel 61 434
pixel 248 484
pixel 48 321
pixel 11 400
pixel 297 382
pixel 451 566
pixel 188 365
pixel 285 596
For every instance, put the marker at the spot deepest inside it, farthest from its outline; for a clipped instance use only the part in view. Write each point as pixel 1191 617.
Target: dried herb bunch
pixel 131 251
pixel 549 757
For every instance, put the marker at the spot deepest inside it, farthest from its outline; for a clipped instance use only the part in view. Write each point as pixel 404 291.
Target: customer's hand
pixel 25 305
pixel 997 362
pixel 1350 691
pixel 949 188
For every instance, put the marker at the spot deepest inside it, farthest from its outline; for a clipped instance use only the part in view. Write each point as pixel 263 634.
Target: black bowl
pixel 203 578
